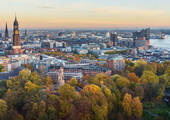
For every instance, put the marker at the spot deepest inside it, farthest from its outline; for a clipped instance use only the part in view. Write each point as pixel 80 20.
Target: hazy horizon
pixel 89 14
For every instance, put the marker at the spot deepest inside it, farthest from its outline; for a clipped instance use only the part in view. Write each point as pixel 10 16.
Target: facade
pixel 116 63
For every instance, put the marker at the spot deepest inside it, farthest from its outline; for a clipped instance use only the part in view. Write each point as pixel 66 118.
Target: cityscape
pixel 84 73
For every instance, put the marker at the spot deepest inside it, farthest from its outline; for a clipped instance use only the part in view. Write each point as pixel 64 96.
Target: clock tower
pixel 16 38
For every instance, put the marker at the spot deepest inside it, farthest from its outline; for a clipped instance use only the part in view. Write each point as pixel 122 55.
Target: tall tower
pixel 16 37
pixel 6 33
pixel 25 36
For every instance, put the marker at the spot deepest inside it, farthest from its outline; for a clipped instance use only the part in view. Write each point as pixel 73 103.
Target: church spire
pixel 6 32
pixel 16 21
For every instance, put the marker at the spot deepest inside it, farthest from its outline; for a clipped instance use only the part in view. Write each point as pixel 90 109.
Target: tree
pixel 149 77
pixel 133 78
pixel 73 82
pixel 97 100
pixel 137 107
pixel 160 69
pixel 127 104
pixel 3 108
pixel 76 58
pixel 2 68
pixel 122 82
pixel 68 96
pixel 3 88
pixel 83 109
pixel 13 115
pixel 28 66
pixel 29 86
pixel 139 91
pixel 102 79
pixel 139 67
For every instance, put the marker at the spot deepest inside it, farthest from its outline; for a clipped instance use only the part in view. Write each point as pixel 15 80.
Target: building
pixel 16 38
pixel 114 39
pixel 25 36
pixel 116 63
pixel 141 39
pixel 6 33
pixel 16 46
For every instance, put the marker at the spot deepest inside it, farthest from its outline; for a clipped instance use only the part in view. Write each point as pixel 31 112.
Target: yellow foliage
pixel 137 107
pixel 30 86
pixel 127 104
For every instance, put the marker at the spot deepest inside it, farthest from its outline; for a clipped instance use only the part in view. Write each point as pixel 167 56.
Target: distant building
pixel 116 63
pixel 141 39
pixel 25 36
pixel 0 36
pixel 114 39
pixel 6 33
pixel 16 48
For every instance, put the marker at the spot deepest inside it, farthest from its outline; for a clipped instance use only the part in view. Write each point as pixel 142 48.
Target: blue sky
pixel 86 13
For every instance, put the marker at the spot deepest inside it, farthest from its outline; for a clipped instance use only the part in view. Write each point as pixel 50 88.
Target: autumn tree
pixel 102 79
pixel 149 77
pixel 127 104
pixel 139 67
pixel 133 78
pixel 132 107
pixel 76 58
pixel 98 101
pixel 122 82
pixel 73 82
pixel 3 108
pixel 2 68
pixel 137 107
pixel 68 96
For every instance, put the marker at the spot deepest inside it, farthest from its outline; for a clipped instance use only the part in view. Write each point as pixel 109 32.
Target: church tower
pixel 6 33
pixel 16 38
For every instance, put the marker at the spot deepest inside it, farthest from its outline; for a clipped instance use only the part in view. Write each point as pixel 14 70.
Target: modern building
pixel 114 39
pixel 141 39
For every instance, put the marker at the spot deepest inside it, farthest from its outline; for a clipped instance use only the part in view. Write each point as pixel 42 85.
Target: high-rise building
pixel 114 38
pixel 25 36
pixel 0 36
pixel 6 33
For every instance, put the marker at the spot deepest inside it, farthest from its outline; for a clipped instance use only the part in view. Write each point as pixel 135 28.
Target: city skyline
pixel 85 14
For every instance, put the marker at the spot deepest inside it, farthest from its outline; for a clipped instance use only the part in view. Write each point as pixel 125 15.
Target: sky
pixel 85 13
